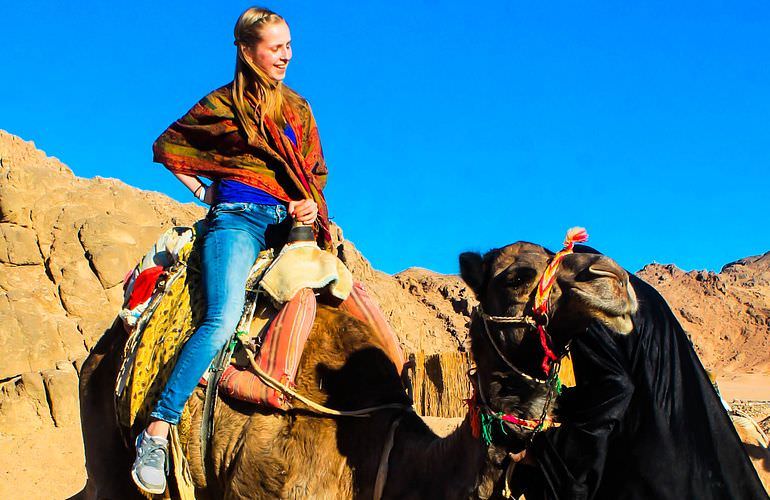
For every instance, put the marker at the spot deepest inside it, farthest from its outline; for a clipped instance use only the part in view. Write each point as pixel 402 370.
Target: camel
pixel 259 453
pixel 755 443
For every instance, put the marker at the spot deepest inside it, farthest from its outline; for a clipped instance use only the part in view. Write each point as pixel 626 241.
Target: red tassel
pixel 549 354
pixel 473 414
pixel 575 235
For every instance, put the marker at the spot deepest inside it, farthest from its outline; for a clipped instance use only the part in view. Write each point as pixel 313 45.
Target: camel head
pixel 587 287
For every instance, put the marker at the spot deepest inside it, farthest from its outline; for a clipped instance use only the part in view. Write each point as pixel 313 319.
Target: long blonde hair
pixel 271 96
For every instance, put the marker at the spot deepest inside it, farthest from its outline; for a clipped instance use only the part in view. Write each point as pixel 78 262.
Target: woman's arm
pixel 200 190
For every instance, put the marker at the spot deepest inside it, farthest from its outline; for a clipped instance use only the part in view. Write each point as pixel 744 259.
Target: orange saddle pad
pixel 285 341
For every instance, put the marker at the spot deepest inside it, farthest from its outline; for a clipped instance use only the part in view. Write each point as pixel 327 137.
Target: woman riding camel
pixel 257 141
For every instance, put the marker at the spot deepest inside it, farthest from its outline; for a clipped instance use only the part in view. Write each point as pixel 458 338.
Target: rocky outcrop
pixel 65 244
pixel 429 311
pixel 726 314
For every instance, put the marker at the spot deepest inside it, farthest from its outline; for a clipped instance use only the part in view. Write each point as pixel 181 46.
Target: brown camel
pixel 257 453
pixel 756 444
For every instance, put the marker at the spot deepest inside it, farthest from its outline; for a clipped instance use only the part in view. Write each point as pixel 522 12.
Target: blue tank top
pixel 231 191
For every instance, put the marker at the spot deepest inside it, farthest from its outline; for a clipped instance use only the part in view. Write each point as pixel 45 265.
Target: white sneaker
pixel 151 465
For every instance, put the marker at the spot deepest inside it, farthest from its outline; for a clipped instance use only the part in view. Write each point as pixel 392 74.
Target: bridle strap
pixel 547 280
pixel 521 320
pixel 544 287
pixel 539 317
pixel 515 320
pixel 478 404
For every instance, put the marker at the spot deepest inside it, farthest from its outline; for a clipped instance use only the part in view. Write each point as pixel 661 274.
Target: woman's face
pixel 273 53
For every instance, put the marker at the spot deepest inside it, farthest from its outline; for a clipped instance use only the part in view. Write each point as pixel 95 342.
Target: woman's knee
pixel 222 324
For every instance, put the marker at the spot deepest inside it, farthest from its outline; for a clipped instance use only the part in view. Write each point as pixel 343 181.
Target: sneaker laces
pixel 153 454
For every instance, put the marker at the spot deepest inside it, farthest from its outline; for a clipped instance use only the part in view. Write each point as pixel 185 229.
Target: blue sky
pixel 447 126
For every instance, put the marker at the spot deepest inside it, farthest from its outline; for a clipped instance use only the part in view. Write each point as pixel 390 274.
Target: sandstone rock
pixel 32 383
pixel 81 294
pixel 725 313
pixel 18 415
pixel 65 245
pixel 109 244
pixel 65 366
pixel 18 245
pixel 23 405
pixel 62 389
pixel 34 329
pixel 78 363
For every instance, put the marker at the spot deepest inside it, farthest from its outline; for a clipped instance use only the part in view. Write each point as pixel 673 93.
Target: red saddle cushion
pixel 285 341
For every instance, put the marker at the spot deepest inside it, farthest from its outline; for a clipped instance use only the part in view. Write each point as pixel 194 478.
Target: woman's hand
pixel 210 195
pixel 523 458
pixel 303 211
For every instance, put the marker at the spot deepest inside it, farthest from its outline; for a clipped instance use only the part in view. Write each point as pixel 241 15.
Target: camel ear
pixel 472 271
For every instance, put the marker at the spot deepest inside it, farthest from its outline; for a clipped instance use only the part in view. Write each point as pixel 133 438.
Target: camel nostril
pixel 601 269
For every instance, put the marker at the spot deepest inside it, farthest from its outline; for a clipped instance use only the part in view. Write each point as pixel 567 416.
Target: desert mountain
pixel 726 314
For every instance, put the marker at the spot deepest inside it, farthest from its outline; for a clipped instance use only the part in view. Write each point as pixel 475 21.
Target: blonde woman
pixel 256 140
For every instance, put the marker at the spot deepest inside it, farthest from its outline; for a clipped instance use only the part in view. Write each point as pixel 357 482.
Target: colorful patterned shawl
pixel 207 142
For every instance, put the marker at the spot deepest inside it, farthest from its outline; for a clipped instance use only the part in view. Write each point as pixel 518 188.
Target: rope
pixel 507 319
pixel 483 418
pixel 507 493
pixel 318 408
pixel 521 320
pixel 544 286
pixel 548 355
pixel 382 470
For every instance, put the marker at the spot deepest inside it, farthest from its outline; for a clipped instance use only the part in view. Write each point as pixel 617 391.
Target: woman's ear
pixel 472 271
pixel 246 54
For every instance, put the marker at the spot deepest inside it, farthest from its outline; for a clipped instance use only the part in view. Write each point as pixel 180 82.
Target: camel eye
pixel 522 277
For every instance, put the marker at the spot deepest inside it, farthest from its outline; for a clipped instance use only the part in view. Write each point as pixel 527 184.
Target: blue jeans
pixel 236 235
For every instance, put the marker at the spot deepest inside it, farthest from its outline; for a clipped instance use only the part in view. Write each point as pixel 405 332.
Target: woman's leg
pixel 236 236
pixel 228 254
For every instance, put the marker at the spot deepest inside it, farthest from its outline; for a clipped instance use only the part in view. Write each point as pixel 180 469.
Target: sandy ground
pixel 746 387
pixel 48 464
pixel 442 426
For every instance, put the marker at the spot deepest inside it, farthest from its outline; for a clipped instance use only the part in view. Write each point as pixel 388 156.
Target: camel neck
pixel 454 467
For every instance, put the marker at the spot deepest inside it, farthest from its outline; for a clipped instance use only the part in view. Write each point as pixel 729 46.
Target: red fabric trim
pixel 280 354
pixel 144 285
pixel 362 306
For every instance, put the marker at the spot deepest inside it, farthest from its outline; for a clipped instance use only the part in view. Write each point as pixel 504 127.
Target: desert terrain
pixel 66 244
